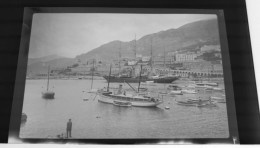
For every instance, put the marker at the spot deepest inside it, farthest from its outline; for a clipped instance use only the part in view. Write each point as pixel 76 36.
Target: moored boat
pixel 218 99
pixel 121 79
pixel 48 94
pixel 207 83
pixel 208 104
pixel 187 91
pixel 175 92
pixel 217 89
pixel 191 102
pixel 165 79
pixel 135 100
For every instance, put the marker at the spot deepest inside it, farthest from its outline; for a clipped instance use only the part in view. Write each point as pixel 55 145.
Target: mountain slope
pixel 184 38
pixel 42 67
pixel 191 34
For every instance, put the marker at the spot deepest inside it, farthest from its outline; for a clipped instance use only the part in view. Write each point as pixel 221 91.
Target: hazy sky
pixel 71 34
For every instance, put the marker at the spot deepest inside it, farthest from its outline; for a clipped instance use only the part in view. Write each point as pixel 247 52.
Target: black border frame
pixel 247 108
pixel 22 65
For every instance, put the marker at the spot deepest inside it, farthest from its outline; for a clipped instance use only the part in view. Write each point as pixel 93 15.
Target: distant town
pixel 204 61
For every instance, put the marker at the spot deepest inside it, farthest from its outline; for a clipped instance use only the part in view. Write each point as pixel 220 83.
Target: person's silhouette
pixel 69 128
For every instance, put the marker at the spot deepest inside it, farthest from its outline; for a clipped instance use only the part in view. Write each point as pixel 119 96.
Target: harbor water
pixel 47 118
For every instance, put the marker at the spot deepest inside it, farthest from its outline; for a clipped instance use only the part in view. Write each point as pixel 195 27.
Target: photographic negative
pixel 127 76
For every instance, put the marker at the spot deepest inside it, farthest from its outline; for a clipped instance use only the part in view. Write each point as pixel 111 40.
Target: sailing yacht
pixel 123 99
pixel 92 77
pixel 47 94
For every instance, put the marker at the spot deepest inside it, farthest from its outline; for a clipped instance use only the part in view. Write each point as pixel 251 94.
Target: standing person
pixel 69 127
pixel 120 90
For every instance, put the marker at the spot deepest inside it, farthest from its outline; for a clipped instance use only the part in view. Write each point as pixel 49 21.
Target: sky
pixel 71 34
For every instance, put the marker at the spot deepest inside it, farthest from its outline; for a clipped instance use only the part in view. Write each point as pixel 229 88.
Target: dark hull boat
pixel 165 80
pixel 115 79
pixel 48 94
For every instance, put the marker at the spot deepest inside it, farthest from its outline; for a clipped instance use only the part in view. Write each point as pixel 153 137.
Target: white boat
pixel 208 104
pixel 207 83
pixel 135 100
pixel 218 99
pixel 217 89
pixel 167 107
pixel 200 85
pixel 175 92
pixel 191 86
pixel 187 91
pixel 47 94
pixel 191 102
pixel 186 103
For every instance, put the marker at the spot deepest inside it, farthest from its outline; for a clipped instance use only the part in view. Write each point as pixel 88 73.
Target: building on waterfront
pixel 185 57
pixel 163 61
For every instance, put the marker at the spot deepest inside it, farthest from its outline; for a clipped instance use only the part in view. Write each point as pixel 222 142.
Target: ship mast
pixel 164 57
pixel 151 54
pixel 119 58
pixel 48 77
pixel 135 46
pixel 109 78
pixel 92 74
pixel 140 78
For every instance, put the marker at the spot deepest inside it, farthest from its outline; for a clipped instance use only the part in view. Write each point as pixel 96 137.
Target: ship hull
pixel 125 79
pixel 110 100
pixel 48 95
pixel 165 80
pixel 136 80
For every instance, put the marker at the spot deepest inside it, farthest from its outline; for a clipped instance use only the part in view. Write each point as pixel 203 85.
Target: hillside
pixel 192 34
pixel 42 66
pixel 184 38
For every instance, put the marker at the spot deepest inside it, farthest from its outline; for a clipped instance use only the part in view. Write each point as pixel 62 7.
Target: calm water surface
pixel 48 118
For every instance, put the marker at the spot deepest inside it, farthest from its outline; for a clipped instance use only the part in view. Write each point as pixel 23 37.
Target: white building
pixel 185 57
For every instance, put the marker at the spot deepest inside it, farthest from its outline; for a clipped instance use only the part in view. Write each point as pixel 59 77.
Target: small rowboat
pixel 167 107
pixel 176 92
pixel 186 91
pixel 218 99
